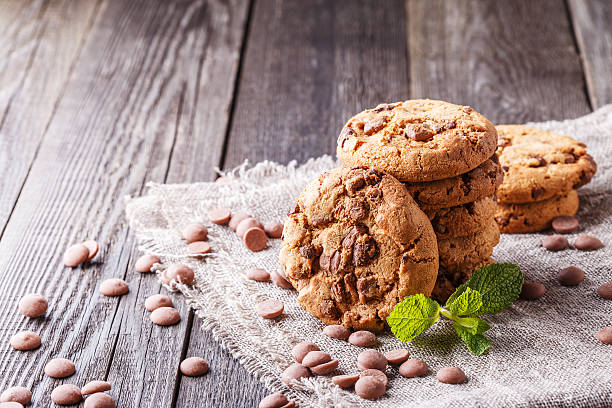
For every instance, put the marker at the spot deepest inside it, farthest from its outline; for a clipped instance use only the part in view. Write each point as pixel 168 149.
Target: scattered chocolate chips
pixel 451 375
pixel 198 248
pixel 145 263
pixel 96 386
pixel 25 341
pixel 194 367
pixel 255 239
pixel 156 301
pixel 247 224
pixel 555 242
pixel 33 305
pixel 337 331
pixel 195 232
pixel 220 216
pixel 565 224
pixel 325 368
pixel 300 350
pixel 373 372
pixel 413 368
pixel 16 394
pixel 373 126
pixel 60 368
pixel 76 255
pixel 258 274
pixel 165 316
pixel 180 273
pixel 277 400
pixel 397 356
pixel 66 394
pixel 418 132
pixel 294 372
pixel 363 338
pixel 587 243
pixel 99 400
pixel 280 280
pixel 570 276
pixel 270 309
pixel 532 290
pixel 315 358
pixel 236 219
pixel 370 388
pixel 92 247
pixel 371 359
pixel 114 287
pixel 605 290
pixel 345 381
pixel 605 335
pixel 273 229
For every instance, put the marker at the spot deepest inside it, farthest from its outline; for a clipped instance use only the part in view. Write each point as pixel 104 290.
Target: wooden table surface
pixel 98 97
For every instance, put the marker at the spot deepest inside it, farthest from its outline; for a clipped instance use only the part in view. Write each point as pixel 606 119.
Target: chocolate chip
pixel 308 251
pixel 66 394
pixel 294 210
pixel 324 262
pixel 555 242
pixel 538 161
pixel 384 107
pixel 467 109
pixel 569 158
pixel 345 381
pixel 451 375
pixel 565 224
pixel 418 132
pixel 532 290
pixel 570 276
pixel 338 292
pixel 315 357
pixel 25 341
pixel 165 316
pixel 373 372
pixel 95 386
pixel 450 125
pixel 358 209
pixel 334 262
pixel 195 232
pixel 294 372
pixel 345 134
pixel 270 309
pixel 16 394
pixel 397 356
pixel 373 177
pixel 156 301
pixel 258 274
pixel 371 359
pixel 536 192
pixel 364 250
pixel 33 305
pixel 328 308
pixel 277 400
pixel 605 335
pixel 373 126
pixel 367 288
pixel 300 350
pixel 325 368
pixel 356 183
pixel 587 243
pixel 60 368
pixel 505 168
pixel 279 279
pixel 369 388
pixel 99 400
pixel 194 367
pixel 363 338
pixel 145 263
pixel 337 331
pixel 413 368
pixel 605 290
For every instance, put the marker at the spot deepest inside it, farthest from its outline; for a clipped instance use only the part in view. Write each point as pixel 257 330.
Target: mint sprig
pixel 489 290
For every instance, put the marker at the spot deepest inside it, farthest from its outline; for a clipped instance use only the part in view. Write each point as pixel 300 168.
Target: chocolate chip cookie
pixel 418 140
pixel 464 253
pixel 461 220
pixel 537 216
pixel 471 186
pixel 447 281
pixel 539 165
pixel 355 245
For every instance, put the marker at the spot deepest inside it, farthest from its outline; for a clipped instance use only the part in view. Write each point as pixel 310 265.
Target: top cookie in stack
pixel 542 172
pixel 445 155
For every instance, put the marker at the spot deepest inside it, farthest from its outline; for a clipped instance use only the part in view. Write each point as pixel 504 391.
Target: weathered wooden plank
pixel 309 66
pixel 144 70
pixel 513 61
pixel 592 21
pixel 33 39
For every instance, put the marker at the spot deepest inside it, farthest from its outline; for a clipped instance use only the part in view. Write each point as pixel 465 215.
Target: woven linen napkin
pixel 544 353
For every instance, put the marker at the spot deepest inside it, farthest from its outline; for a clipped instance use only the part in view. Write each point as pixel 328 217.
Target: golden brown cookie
pixel 537 216
pixel 471 186
pixel 461 220
pixel 447 281
pixel 464 253
pixel 539 165
pixel 355 245
pixel 418 140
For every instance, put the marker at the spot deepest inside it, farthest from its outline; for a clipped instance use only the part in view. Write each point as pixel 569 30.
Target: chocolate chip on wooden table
pixel 337 331
pixel 92 247
pixel 605 335
pixel 145 263
pixel 397 356
pixel 16 394
pixel 99 400
pixel 219 215
pixel 258 274
pixel 587 243
pixel 300 350
pixel 25 341
pixel 114 287
pixel 532 290
pixel 565 224
pixel 277 400
pixel 605 290
pixel 555 242
pixel 195 232
pixel 156 301
pixel 165 316
pixel 270 309
pixel 76 255
pixel 346 380
pixel 570 276
pixel 95 386
pixel 451 375
pixel 66 394
pixel 294 372
pixel 33 305
pixel 370 388
pixel 60 368
pixel 413 368
pixel 194 367
pixel 371 359
pixel 363 338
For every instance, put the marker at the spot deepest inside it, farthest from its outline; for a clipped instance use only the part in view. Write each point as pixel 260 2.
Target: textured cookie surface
pixel 471 186
pixel 447 281
pixel 539 165
pixel 355 245
pixel 461 220
pixel 464 253
pixel 536 216
pixel 418 140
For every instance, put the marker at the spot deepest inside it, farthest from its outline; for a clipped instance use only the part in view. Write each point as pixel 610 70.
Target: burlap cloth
pixel 544 352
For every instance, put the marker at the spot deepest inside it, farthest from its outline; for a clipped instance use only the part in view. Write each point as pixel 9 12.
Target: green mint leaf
pixel 499 285
pixel 476 343
pixel 466 304
pixel 413 316
pixel 474 325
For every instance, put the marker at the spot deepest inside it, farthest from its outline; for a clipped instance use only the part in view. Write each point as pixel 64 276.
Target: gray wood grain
pixel 309 66
pixel 33 38
pixel 513 61
pixel 593 27
pixel 116 127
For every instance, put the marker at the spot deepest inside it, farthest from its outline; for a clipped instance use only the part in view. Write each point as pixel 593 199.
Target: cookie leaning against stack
pixel 542 172
pixel 444 153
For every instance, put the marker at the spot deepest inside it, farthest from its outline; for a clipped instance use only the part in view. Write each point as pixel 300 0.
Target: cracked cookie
pixel 538 165
pixel 418 140
pixel 471 186
pixel 355 245
pixel 461 220
pixel 464 253
pixel 537 216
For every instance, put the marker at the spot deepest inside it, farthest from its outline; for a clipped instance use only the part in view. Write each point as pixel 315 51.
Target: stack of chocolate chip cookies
pixel 445 156
pixel 542 171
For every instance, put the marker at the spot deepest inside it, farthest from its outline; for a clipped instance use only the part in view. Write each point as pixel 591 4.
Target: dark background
pixel 99 97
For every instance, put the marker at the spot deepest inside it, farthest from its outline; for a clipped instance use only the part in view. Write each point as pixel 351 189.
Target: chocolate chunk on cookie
pixel 461 220
pixel 536 216
pixel 375 248
pixel 539 165
pixel 418 140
